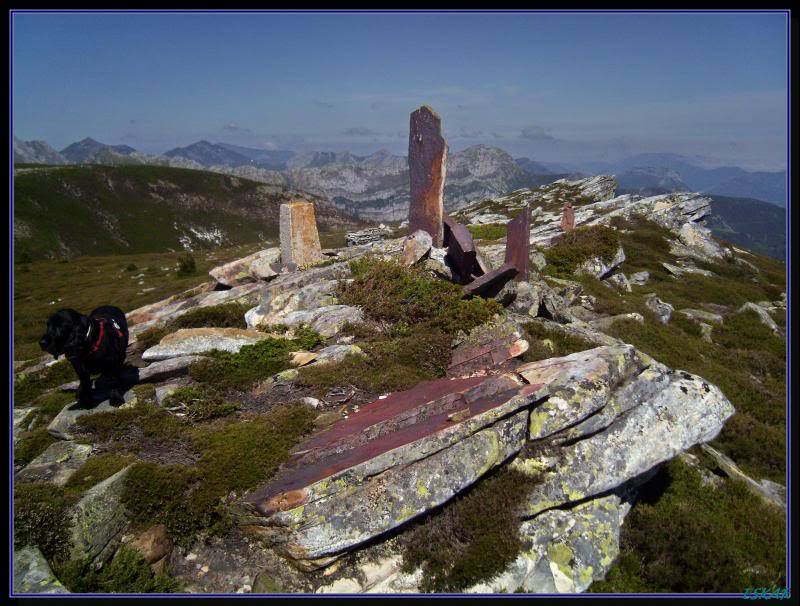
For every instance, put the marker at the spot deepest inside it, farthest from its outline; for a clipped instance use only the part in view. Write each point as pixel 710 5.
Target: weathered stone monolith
pixel 518 245
pixel 427 163
pixel 567 217
pixel 299 237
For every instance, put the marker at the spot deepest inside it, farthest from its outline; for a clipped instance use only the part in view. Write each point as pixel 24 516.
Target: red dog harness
pixel 103 322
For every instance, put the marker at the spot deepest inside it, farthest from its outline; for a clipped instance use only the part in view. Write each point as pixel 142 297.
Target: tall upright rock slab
pixel 299 236
pixel 427 163
pixel 518 245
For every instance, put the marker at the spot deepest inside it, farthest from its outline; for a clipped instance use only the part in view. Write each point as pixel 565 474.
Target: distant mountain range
pixel 375 187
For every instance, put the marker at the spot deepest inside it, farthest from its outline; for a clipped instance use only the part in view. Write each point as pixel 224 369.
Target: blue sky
pixel 555 87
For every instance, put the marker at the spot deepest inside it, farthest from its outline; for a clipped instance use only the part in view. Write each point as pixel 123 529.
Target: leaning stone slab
pixel 771 492
pixel 62 426
pixel 192 341
pixel 605 323
pixel 579 385
pixel 257 266
pixel 680 271
pixel 98 518
pixel 57 464
pixel 32 574
pixel 427 163
pixel 415 248
pixel 389 462
pixel 300 245
pixel 686 411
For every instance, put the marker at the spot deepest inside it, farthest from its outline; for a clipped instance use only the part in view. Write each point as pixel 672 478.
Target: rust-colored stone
pixel 299 236
pixel 518 243
pixel 461 254
pixel 485 356
pixel 489 284
pixel 427 163
pixel 567 217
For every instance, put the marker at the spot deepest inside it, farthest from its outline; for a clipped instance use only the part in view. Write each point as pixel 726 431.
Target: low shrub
pixel 30 386
pixel 200 404
pixel 40 518
pixel 488 231
pixel 562 343
pixel 186 265
pixel 573 248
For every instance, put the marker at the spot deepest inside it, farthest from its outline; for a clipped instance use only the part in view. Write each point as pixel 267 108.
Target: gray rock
pixel 192 341
pixel 21 421
pixel 57 464
pixel 365 236
pixel 620 280
pixel 488 218
pixel 700 315
pixel 257 266
pixel 763 315
pixel 605 323
pixel 538 261
pixel 327 320
pixel 683 411
pixel 167 369
pixel 639 278
pixel 415 247
pixel 598 268
pixel 771 492
pixel 661 309
pixel 680 271
pixel 336 353
pixel 98 518
pixel 32 574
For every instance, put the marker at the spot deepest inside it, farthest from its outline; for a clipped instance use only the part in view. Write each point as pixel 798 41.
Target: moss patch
pixel 717 540
pixel 472 538
pixel 95 470
pixel 40 518
pixel 488 231
pixel 30 386
pixel 31 444
pixel 199 404
pixel 546 342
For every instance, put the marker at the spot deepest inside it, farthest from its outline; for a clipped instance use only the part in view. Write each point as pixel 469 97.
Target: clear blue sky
pixel 555 87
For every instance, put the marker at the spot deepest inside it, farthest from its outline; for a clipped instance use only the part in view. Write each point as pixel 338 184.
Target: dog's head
pixel 66 333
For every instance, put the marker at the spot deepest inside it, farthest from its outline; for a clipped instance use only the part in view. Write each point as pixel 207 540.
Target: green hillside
pixel 752 224
pixel 68 211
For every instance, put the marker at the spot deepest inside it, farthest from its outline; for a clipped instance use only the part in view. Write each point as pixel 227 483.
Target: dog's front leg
pixel 116 395
pixel 85 387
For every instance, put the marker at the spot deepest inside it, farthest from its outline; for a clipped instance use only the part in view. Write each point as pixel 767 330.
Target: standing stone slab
pixel 518 245
pixel 299 236
pixel 427 163
pixel 567 217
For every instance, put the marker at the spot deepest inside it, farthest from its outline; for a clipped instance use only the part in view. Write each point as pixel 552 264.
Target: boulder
pixel 167 369
pixel 661 309
pixel 697 242
pixel 98 518
pixel 598 268
pixel 57 464
pixel 191 341
pixel 686 269
pixel 701 315
pixel 415 248
pixel 365 236
pixel 21 421
pixel 32 573
pixel 337 353
pixel 276 305
pixel 763 315
pixel 619 280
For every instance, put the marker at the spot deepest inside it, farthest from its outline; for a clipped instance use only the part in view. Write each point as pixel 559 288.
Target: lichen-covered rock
pixel 365 236
pixel 661 309
pixel 701 315
pixel 57 464
pixel 32 574
pixel 415 247
pixel 191 341
pixel 673 412
pixel 278 304
pixel 62 425
pixel 686 269
pixel 167 369
pixel 620 281
pixel 639 278
pixel 771 492
pixel 327 320
pixel 696 241
pixel 605 323
pixel 763 315
pixel 337 353
pixel 598 268
pixel 98 518
pixel 579 385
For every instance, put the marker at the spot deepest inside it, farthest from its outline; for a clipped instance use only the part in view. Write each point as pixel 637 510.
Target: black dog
pixel 93 344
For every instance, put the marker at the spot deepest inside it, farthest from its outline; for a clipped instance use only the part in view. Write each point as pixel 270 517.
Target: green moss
pixel 95 470
pixel 389 292
pixel 200 404
pixel 126 573
pixel 472 538
pixel 233 457
pixel 390 364
pixel 489 231
pixel 149 420
pixel 562 342
pixel 226 315
pixel 716 540
pixel 573 248
pixel 252 362
pixel 40 518
pixel 30 386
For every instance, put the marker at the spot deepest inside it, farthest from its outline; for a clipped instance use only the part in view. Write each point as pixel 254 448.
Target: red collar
pixel 100 336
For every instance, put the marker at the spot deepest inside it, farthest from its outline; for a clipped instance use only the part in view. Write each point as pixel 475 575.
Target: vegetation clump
pixel 147 419
pixel 487 231
pixel 199 404
pixel 546 342
pixel 126 573
pixel 95 470
pixel 389 292
pixel 226 315
pixel 29 386
pixel 40 518
pixel 473 537
pixel 718 540
pixel 575 247
pixel 187 266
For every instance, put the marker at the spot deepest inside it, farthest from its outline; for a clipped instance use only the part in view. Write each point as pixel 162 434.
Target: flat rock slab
pixel 191 341
pixel 392 460
pixel 167 369
pixel 57 464
pixel 32 573
pixel 63 424
pixel 257 266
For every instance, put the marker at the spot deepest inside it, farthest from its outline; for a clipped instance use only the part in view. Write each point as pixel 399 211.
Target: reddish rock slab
pixel 518 245
pixel 461 253
pixel 427 163
pixel 489 284
pixel 567 217
pixel 379 427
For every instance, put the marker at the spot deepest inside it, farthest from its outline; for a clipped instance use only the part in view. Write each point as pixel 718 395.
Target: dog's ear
pixel 76 337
